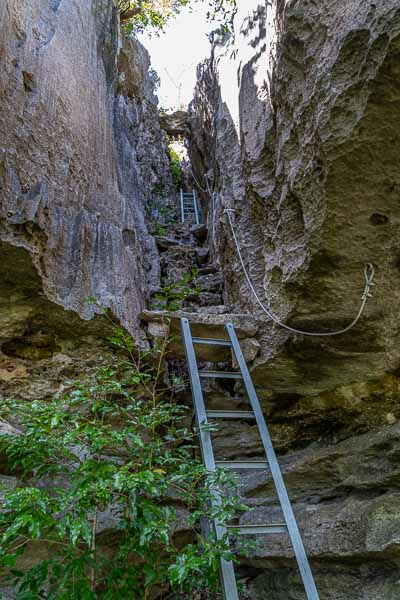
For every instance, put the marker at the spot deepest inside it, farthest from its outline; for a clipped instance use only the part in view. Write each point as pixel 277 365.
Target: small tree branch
pixel 132 12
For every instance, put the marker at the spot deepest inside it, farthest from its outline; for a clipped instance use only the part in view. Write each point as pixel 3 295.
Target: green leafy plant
pixel 176 167
pixel 100 470
pixel 158 229
pixel 174 294
pixel 168 214
pixel 223 12
pixel 137 15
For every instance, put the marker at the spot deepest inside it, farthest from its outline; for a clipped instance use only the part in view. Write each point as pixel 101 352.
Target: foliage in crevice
pixel 176 167
pixel 172 295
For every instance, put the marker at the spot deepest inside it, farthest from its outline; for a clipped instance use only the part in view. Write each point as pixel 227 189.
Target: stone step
pixel 209 299
pixel 205 322
pixel 165 243
pixel 208 270
pixel 210 283
pixel 219 310
pixel 200 232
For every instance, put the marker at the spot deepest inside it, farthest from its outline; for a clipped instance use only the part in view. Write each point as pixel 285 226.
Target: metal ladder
pixel 290 526
pixel 189 207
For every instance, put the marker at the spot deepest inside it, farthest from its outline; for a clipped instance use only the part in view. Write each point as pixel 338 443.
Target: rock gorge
pixel 305 151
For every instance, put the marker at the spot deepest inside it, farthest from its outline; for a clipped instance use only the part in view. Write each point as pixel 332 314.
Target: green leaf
pixel 114 450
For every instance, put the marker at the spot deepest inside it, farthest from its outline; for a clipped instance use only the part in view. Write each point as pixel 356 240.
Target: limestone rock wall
pixel 82 157
pixel 81 153
pixel 299 134
pixel 308 160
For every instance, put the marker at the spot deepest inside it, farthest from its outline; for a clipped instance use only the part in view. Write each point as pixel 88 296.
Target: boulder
pixel 175 124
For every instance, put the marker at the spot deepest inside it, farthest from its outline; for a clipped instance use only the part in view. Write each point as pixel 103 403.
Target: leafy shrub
pixel 113 447
pixel 176 168
pixel 138 15
pixel 158 229
pixel 173 294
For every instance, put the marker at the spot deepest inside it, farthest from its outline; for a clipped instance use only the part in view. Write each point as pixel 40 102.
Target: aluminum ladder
pixel 189 207
pixel 228 580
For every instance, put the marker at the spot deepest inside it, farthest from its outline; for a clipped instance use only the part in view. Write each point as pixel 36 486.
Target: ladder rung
pixel 242 464
pixel 230 414
pixel 212 342
pixel 220 374
pixel 257 529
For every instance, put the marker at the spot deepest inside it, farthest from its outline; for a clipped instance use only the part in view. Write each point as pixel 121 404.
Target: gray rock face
pixel 175 124
pixel 81 151
pixel 309 163
pixel 308 160
pixel 348 516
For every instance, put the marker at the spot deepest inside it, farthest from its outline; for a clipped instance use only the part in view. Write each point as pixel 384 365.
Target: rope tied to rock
pixel 369 274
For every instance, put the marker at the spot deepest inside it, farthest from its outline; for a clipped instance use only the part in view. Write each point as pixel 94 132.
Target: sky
pixel 176 53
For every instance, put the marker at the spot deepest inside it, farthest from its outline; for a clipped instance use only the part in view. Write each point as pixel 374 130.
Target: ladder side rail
pixel 294 533
pixel 182 207
pixel 196 207
pixel 228 578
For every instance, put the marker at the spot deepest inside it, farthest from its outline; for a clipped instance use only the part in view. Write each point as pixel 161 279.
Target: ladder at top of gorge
pixel 189 207
pixel 289 527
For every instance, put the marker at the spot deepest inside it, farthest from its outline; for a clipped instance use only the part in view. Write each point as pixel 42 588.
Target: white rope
pixel 195 180
pixel 369 273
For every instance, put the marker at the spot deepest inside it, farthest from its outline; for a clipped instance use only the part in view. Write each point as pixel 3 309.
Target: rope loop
pixel 369 273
